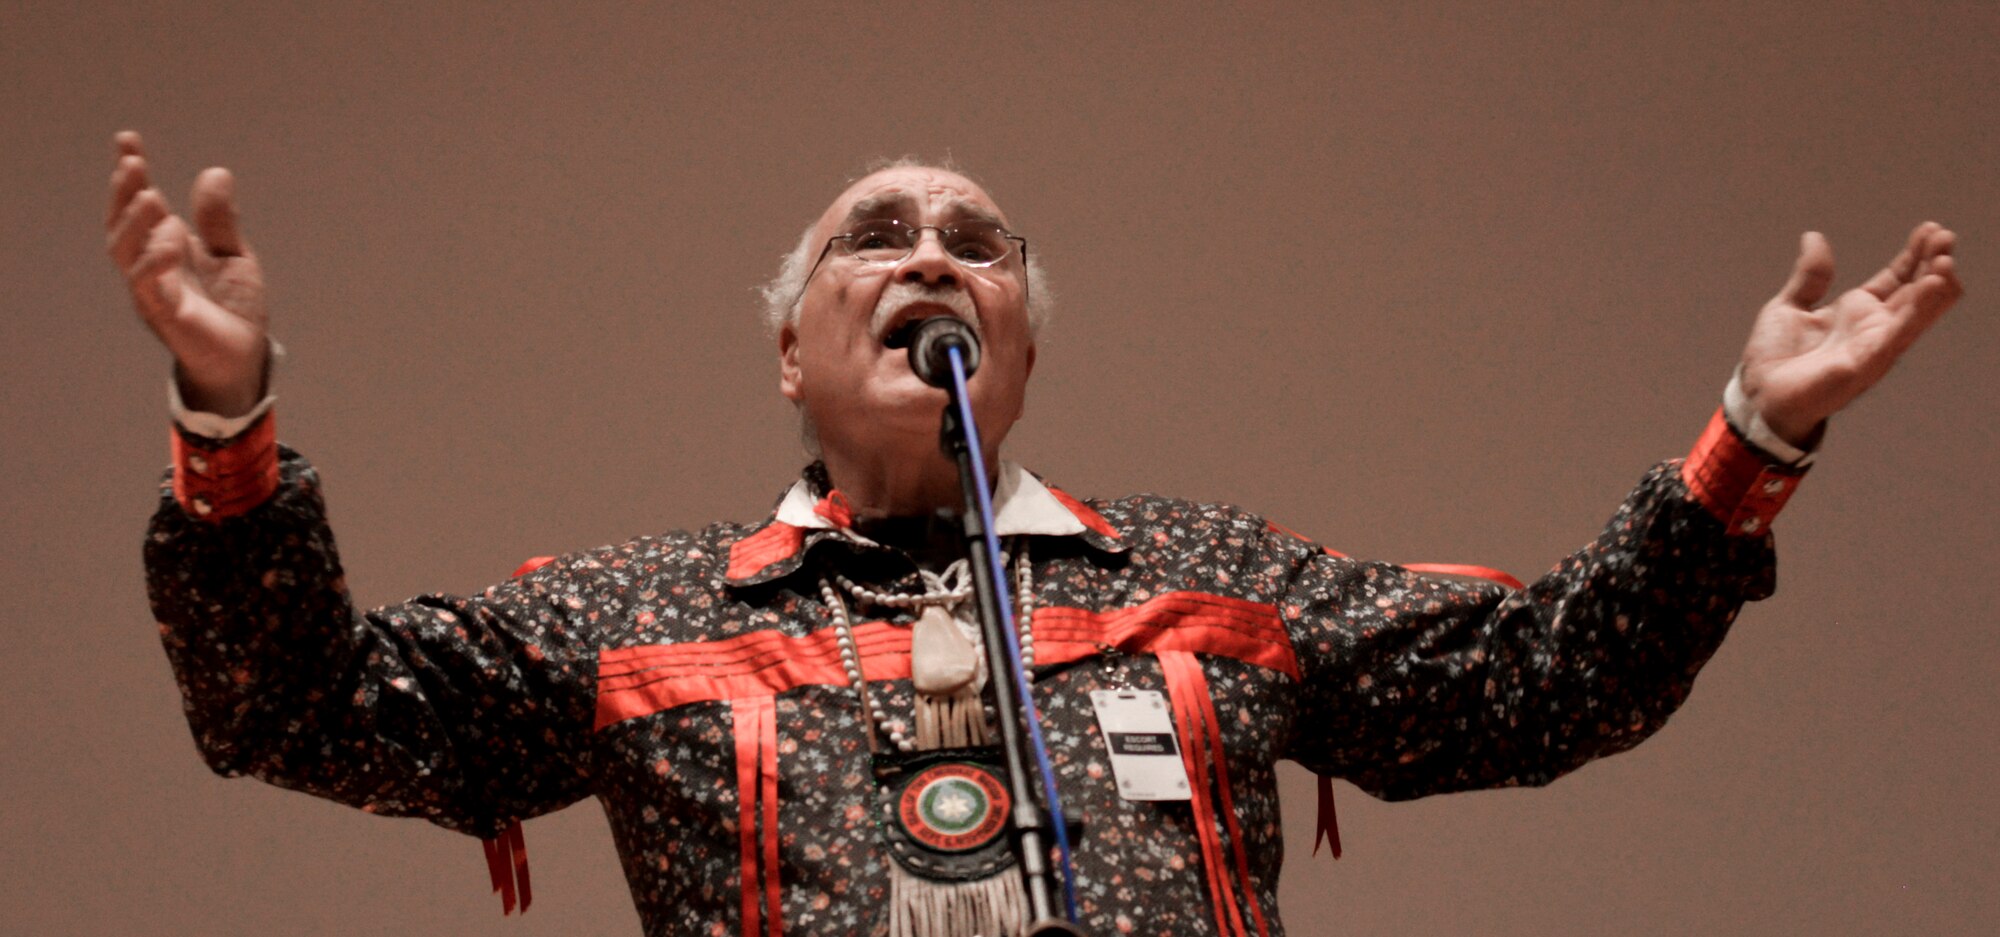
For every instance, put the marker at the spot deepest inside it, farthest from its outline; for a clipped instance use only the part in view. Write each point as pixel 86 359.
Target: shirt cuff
pixel 1738 484
pixel 1746 419
pixel 216 481
pixel 215 426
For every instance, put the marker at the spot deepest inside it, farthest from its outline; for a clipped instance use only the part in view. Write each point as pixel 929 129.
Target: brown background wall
pixel 1427 284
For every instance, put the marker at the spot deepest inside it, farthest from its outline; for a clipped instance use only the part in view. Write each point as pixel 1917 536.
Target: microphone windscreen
pixel 930 349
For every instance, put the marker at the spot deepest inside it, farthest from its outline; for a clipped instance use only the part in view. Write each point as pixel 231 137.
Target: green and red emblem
pixel 953 807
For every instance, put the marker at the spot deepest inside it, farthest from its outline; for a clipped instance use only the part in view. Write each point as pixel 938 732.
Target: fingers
pixel 1812 273
pixel 214 201
pixel 134 226
pixel 128 178
pixel 155 274
pixel 166 246
pixel 1903 269
pixel 1939 245
pixel 1937 291
pixel 128 173
pixel 1920 304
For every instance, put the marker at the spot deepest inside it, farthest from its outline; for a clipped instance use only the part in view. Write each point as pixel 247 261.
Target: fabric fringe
pixel 956 721
pixel 756 737
pixel 507 866
pixel 995 906
pixel 1328 824
pixel 1202 752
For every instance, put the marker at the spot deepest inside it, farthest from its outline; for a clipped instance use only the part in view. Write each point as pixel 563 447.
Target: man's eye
pixel 979 251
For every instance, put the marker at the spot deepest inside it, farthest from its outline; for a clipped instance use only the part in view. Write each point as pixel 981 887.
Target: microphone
pixel 930 349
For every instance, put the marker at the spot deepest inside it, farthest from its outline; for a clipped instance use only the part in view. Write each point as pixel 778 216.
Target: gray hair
pixel 784 293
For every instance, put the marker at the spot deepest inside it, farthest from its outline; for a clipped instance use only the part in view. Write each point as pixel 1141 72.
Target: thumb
pixel 214 201
pixel 1811 274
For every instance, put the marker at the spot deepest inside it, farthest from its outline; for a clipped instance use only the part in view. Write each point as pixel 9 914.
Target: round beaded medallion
pixel 953 807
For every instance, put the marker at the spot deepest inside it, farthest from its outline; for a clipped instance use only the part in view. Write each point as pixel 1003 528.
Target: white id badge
pixel 1139 731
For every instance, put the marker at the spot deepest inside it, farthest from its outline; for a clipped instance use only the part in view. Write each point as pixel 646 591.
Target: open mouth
pixel 902 335
pixel 903 307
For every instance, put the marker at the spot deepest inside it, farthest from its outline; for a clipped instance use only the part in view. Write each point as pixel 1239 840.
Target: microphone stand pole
pixel 1003 669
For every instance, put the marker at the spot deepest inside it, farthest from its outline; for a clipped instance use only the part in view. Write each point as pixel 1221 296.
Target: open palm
pixel 1803 364
pixel 201 291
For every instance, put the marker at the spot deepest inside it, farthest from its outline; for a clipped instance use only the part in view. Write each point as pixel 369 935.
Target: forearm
pixel 419 709
pixel 1436 685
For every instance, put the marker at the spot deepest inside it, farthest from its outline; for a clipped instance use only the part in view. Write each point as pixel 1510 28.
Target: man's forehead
pixel 917 190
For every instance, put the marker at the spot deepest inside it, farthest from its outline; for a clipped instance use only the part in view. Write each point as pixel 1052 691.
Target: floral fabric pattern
pixel 473 711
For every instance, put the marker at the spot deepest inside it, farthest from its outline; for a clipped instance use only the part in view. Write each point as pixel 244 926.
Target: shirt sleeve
pixel 466 711
pixel 1414 684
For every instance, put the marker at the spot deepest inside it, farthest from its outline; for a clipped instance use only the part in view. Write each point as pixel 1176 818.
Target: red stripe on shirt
pixel 777 541
pixel 640 681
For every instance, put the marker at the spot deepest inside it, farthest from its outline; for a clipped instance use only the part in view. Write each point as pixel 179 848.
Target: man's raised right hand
pixel 201 290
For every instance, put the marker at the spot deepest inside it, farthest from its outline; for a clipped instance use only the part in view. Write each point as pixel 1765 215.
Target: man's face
pixel 833 360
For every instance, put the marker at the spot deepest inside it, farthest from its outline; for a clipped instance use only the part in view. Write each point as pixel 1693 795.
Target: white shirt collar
pixel 1022 505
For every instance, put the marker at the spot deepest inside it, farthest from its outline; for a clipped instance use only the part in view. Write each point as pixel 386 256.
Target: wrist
pixel 231 391
pixel 203 419
pixel 1737 482
pixel 228 397
pixel 1800 433
pixel 1793 445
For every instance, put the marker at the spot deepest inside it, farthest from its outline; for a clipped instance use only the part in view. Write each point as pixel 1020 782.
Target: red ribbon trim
pixel 1201 746
pixel 751 555
pixel 1084 514
pixel 1206 700
pixel 500 871
pixel 1328 823
pixel 639 681
pixel 1462 569
pixel 507 868
pixel 767 772
pixel 214 484
pixel 1176 621
pixel 836 509
pixel 749 716
pixel 1449 569
pixel 1195 754
pixel 634 682
pixel 533 563
pixel 519 843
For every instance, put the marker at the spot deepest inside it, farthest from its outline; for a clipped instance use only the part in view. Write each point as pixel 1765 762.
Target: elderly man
pixel 784 719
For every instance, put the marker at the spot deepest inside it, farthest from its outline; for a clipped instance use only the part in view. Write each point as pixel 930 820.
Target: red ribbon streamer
pixel 507 867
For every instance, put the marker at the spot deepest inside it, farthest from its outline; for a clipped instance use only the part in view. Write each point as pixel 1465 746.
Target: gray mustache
pixel 899 296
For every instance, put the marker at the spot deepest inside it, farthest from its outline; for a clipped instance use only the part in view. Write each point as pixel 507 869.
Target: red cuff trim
pixel 1738 484
pixel 212 484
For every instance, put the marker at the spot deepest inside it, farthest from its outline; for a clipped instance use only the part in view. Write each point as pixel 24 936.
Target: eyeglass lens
pixel 887 241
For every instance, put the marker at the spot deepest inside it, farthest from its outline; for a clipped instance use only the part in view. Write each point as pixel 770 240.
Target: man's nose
pixel 929 264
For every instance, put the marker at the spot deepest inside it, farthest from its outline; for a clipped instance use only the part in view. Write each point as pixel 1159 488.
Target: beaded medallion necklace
pixel 947 667
pixel 940 799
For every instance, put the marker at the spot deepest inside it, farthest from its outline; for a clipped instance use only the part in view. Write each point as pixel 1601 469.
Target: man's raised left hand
pixel 1803 364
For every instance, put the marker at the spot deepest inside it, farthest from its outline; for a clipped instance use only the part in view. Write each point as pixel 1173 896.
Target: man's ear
pixel 790 379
